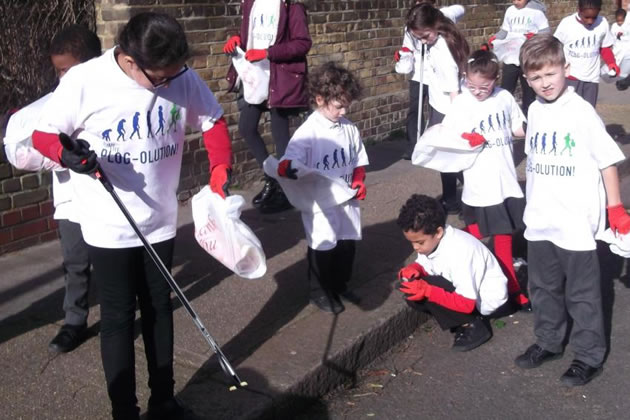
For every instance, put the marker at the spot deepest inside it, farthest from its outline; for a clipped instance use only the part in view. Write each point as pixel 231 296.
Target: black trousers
pixel 412 115
pixel 449 179
pixel 330 271
pixel 446 318
pixel 76 266
pixel 511 75
pixel 248 128
pixel 125 276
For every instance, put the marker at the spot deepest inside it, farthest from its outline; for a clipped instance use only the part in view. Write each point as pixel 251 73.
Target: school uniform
pixel 335 149
pixel 492 196
pixel 565 213
pixel 461 268
pixel 582 47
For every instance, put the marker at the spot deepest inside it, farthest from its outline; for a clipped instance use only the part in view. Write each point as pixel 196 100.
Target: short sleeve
pixel 362 157
pixel 505 26
pixel 560 33
pixel 602 146
pixel 609 39
pixel 541 21
pixel 203 109
pixel 299 145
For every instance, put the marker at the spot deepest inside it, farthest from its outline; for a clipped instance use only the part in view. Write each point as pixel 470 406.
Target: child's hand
pixel 619 35
pixel 411 272
pixel 614 67
pixel 81 159
pixel 618 219
pixel 491 40
pixel 231 44
pixel 255 55
pixel 358 183
pixel 529 35
pixel 220 179
pixel 285 170
pixel 417 289
pixel 397 53
pixel 474 139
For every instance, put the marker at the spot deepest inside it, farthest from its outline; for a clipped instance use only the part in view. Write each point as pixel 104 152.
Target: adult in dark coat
pixel 287 82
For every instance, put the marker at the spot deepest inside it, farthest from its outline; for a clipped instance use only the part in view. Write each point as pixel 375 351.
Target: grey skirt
pixel 500 219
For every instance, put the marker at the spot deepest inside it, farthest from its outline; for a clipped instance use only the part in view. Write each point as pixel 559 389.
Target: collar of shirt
pixel 564 99
pixel 325 122
pixel 448 232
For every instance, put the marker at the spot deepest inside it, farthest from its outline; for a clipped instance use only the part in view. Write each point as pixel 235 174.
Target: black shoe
pixel 451 208
pixel 331 305
pixel 622 84
pixel 350 296
pixel 471 335
pixel 170 410
pixel 579 373
pixel 68 338
pixel 276 203
pixel 406 156
pixel 267 191
pixel 535 356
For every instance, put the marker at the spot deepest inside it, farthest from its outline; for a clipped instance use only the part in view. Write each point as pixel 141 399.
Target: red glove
pixel 255 55
pixel 358 182
pixel 619 35
pixel 474 139
pixel 615 67
pixel 485 47
pixel 491 40
pixel 231 44
pixel 285 169
pixel 397 53
pixel 618 219
pixel 417 289
pixel 411 272
pixel 220 179
pixel 529 35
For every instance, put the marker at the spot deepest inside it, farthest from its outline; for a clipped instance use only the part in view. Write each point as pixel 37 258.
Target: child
pixel 568 179
pixel 586 35
pixel 447 51
pixel 418 77
pixel 620 30
pixel 331 234
pixel 525 17
pixel 144 73
pixel 71 46
pixel 455 277
pixel 282 37
pixel 493 199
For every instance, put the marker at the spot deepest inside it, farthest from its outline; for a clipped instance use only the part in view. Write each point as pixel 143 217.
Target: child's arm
pixel 419 290
pixel 219 147
pixel 618 219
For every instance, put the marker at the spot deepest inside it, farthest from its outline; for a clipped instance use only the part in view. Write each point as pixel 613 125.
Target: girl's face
pixel 149 78
pixel 519 4
pixel 426 36
pixel 332 110
pixel 480 86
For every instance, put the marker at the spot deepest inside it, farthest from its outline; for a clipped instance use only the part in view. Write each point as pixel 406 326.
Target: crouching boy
pixel 455 277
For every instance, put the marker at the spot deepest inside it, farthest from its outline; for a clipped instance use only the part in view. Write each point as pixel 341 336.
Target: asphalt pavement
pixel 290 353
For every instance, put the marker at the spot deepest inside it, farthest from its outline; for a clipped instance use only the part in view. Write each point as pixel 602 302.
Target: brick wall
pixel 361 34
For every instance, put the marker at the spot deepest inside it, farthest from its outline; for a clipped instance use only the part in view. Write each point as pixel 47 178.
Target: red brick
pixel 52 224
pixel 5 236
pixel 49 236
pixel 30 213
pixel 46 208
pixel 30 229
pixel 11 218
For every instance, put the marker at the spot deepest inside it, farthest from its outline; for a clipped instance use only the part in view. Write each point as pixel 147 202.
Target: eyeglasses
pixel 481 89
pixel 165 80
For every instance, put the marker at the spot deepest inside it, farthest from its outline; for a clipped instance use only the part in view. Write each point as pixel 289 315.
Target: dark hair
pixel 425 16
pixel 484 63
pixel 154 41
pixel 77 41
pixel 620 12
pixel 589 4
pixel 333 82
pixel 421 213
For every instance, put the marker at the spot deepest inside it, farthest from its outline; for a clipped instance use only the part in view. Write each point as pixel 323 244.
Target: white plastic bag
pixel 440 148
pixel 312 191
pixel 405 64
pixel 219 230
pixel 619 244
pixel 254 76
pixel 507 49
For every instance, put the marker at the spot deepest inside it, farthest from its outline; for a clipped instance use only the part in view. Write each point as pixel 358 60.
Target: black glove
pixel 80 159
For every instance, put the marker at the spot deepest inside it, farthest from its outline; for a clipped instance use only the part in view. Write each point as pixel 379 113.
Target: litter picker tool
pixel 71 144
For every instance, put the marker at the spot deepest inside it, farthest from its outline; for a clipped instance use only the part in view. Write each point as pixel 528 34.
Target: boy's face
pixel 549 82
pixel 620 19
pixel 63 62
pixel 332 110
pixel 519 4
pixel 422 243
pixel 588 16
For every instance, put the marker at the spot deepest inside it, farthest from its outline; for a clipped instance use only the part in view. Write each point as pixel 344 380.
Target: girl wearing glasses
pixel 142 93
pixel 446 54
pixel 493 203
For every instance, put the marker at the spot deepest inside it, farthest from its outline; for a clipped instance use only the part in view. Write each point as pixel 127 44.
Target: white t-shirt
pixel 20 152
pixel 582 45
pixel 524 20
pixel 466 262
pixel 492 178
pixel 443 75
pixel 621 47
pixel 138 136
pixel 263 24
pixel 335 149
pixel 567 146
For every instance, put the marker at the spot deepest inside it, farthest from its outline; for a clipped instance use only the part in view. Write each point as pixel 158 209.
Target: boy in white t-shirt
pixel 586 36
pixel 455 277
pixel 569 182
pixel 71 46
pixel 620 30
pixel 330 143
